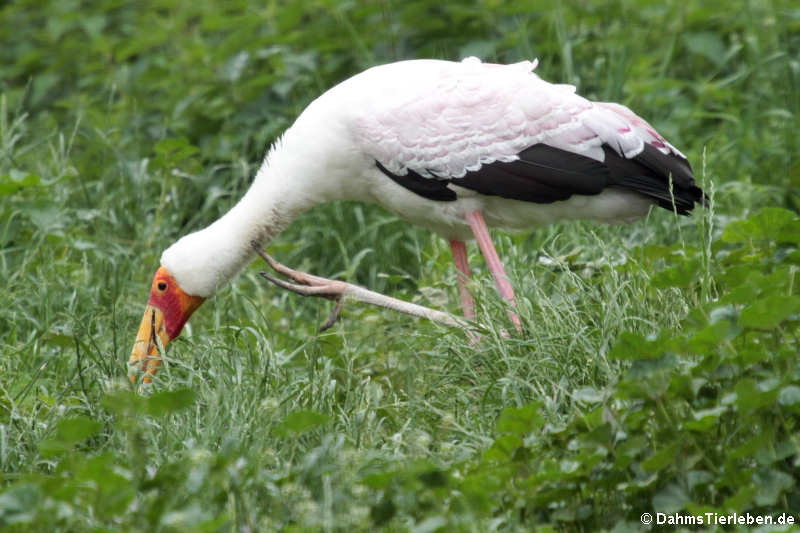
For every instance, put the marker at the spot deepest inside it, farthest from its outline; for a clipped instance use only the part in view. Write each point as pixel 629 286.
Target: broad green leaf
pixel 742 499
pixel 383 511
pixel 588 395
pixel 301 422
pixel 520 420
pixel 771 484
pixel 76 429
pixel 175 146
pixel 569 467
pixel 631 346
pixel 698 477
pixel 16 180
pixel 769 312
pixel 232 69
pixel 18 504
pixel 654 251
pixel 788 233
pixel 47 218
pixel 737 274
pixel 660 459
pixel 771 223
pixel 638 483
pixel 706 44
pixel 705 419
pixel 743 294
pixel 61 340
pixel 124 402
pixel 751 446
pixel 627 347
pixel 710 337
pixel 658 367
pixel 503 448
pixel 114 489
pixel 751 396
pixel 789 395
pixel 741 231
pixel 670 499
pixel 430 525
pixel 187 518
pixel 173 151
pixel 69 432
pixel 683 274
pixel 771 219
pixel 433 477
pixel 380 480
pixel 167 402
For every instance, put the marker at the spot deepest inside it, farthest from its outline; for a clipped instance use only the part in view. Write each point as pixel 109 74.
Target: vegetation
pixel 658 370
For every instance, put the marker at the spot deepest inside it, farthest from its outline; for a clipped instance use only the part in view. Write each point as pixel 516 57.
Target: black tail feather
pixel 667 178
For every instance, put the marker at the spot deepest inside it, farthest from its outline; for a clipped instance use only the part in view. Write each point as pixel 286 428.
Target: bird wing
pixel 501 130
pixel 443 119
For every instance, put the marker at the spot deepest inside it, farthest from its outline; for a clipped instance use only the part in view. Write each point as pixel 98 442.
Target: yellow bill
pixel 150 342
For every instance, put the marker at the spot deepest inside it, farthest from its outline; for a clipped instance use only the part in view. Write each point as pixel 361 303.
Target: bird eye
pixel 162 286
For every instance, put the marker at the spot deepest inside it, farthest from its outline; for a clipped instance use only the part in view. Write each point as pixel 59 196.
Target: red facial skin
pixel 176 305
pixel 164 317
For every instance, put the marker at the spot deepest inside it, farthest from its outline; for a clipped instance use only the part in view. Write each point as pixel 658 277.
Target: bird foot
pixel 310 285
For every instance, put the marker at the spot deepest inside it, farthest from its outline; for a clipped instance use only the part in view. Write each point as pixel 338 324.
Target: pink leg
pixel 481 232
pixel 460 257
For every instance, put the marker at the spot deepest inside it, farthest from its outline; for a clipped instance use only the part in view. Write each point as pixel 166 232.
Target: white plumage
pixel 452 147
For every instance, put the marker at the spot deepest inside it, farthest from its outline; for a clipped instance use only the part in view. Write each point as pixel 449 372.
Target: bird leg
pixel 333 317
pixel 459 249
pixel 481 232
pixel 309 285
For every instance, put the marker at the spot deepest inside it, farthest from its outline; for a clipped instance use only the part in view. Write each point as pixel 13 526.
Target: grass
pixel 122 128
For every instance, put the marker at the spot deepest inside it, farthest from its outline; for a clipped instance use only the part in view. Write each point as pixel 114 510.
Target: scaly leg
pixel 459 249
pixel 481 232
pixel 309 285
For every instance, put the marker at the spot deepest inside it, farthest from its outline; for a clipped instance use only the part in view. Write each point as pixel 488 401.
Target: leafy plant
pixel 658 369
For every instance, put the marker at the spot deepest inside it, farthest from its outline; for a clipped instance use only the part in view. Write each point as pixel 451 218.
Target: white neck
pixel 314 161
pixel 289 182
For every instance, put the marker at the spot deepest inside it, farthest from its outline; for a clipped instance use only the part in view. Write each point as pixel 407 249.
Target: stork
pixel 454 147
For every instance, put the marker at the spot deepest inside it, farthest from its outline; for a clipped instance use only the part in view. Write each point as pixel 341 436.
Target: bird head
pixel 166 313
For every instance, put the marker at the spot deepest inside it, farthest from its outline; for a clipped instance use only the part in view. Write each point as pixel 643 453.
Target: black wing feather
pixel 509 181
pixel 544 174
pixel 431 188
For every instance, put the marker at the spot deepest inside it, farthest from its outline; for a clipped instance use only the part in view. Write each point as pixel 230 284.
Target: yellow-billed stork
pixel 455 147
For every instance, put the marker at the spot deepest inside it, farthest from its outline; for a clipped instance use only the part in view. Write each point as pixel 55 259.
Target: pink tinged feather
pixel 641 127
pixel 453 118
